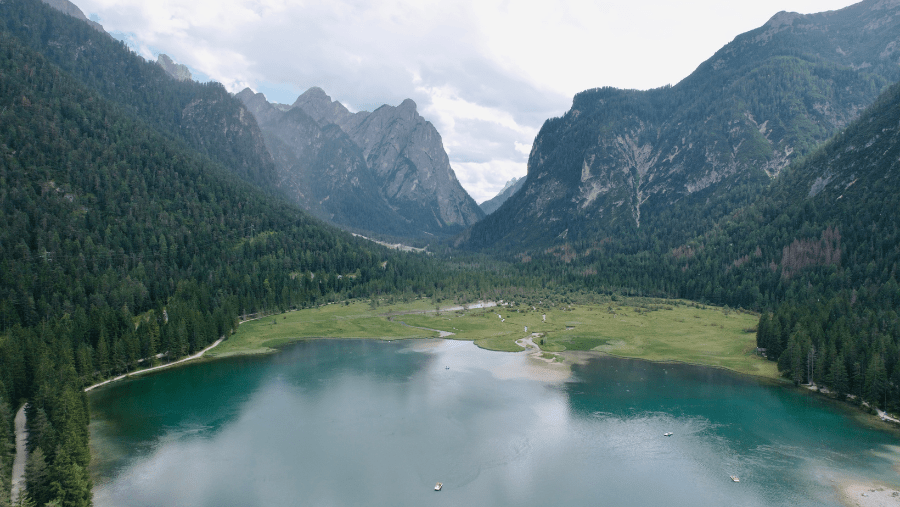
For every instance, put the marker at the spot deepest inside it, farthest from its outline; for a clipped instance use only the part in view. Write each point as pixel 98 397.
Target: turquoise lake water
pixel 359 422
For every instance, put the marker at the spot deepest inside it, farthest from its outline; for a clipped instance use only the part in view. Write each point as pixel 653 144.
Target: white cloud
pixel 487 73
pixel 524 149
pixel 482 178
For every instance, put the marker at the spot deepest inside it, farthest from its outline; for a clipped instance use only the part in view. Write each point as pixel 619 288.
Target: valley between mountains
pixel 747 214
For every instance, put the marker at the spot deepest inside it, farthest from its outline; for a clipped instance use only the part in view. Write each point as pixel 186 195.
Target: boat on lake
pixel 735 479
pixel 667 434
pixel 438 486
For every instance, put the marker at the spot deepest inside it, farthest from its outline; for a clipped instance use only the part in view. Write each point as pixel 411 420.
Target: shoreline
pixel 866 494
pixel 849 492
pixel 561 359
pixel 198 355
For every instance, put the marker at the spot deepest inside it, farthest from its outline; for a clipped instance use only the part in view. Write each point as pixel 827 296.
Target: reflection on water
pixel 372 423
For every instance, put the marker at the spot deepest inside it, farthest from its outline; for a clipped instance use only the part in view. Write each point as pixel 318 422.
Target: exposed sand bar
pixel 871 495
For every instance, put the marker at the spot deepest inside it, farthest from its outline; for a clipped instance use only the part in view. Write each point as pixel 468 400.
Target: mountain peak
pixel 782 18
pixel 316 103
pixel 407 104
pixel 67 7
pixel 178 71
pixel 314 94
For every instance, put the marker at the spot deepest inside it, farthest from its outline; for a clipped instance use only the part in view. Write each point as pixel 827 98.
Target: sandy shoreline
pixel 868 495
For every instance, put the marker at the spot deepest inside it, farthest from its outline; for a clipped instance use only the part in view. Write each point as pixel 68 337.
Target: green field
pixel 657 330
pixel 357 320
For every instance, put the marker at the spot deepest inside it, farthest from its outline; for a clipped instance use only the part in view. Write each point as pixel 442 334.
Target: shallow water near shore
pixel 360 422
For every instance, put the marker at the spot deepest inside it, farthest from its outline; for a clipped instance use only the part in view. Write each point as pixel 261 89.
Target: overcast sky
pixel 487 73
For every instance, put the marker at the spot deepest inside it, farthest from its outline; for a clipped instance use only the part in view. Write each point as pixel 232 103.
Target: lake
pixel 364 422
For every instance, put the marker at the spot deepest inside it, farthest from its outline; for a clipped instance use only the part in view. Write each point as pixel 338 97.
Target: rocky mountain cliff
pixel 620 160
pixel 384 171
pixel 67 7
pixel 512 186
pixel 178 71
pixel 320 168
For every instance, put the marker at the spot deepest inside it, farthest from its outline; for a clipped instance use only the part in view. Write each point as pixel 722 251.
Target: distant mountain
pixel 178 71
pixel 674 159
pixel 384 171
pixel 321 168
pixel 67 7
pixel 512 186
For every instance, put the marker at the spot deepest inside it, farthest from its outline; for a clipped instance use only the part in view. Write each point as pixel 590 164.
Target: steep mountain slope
pixel 835 214
pixel 323 170
pixel 121 242
pixel 205 116
pixel 178 71
pixel 512 186
pixel 625 159
pixel 821 248
pixel 402 153
pixel 67 7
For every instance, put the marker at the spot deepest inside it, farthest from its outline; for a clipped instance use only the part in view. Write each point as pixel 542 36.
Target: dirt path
pixel 18 471
pixel 160 367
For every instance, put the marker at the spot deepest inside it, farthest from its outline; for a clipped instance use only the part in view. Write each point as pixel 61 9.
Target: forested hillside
pixel 120 243
pixel 205 116
pixel 139 224
pixel 816 253
pixel 821 249
pixel 665 164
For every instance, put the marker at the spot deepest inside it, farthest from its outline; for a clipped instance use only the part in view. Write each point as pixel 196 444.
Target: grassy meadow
pixel 657 330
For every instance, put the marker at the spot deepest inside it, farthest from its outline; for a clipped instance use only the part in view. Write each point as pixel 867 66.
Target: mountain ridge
pixel 621 160
pixel 394 150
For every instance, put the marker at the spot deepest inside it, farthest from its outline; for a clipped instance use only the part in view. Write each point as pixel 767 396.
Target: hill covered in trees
pixel 204 116
pixel 816 253
pixel 664 164
pixel 139 220
pixel 128 233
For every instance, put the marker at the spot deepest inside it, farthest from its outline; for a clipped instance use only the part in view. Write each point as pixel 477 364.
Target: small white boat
pixel 446 367
pixel 438 486
pixel 735 479
pixel 667 434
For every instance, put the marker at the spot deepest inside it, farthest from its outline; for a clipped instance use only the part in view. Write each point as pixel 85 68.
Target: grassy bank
pixel 356 320
pixel 641 328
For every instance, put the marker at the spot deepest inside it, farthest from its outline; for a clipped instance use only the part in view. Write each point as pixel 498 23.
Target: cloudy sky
pixel 487 73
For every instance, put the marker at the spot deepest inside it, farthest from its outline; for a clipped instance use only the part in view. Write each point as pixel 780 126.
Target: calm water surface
pixel 357 422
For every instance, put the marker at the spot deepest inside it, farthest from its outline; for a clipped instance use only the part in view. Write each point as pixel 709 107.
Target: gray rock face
pixel 395 152
pixel 623 159
pixel 321 169
pixel 178 71
pixel 67 7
